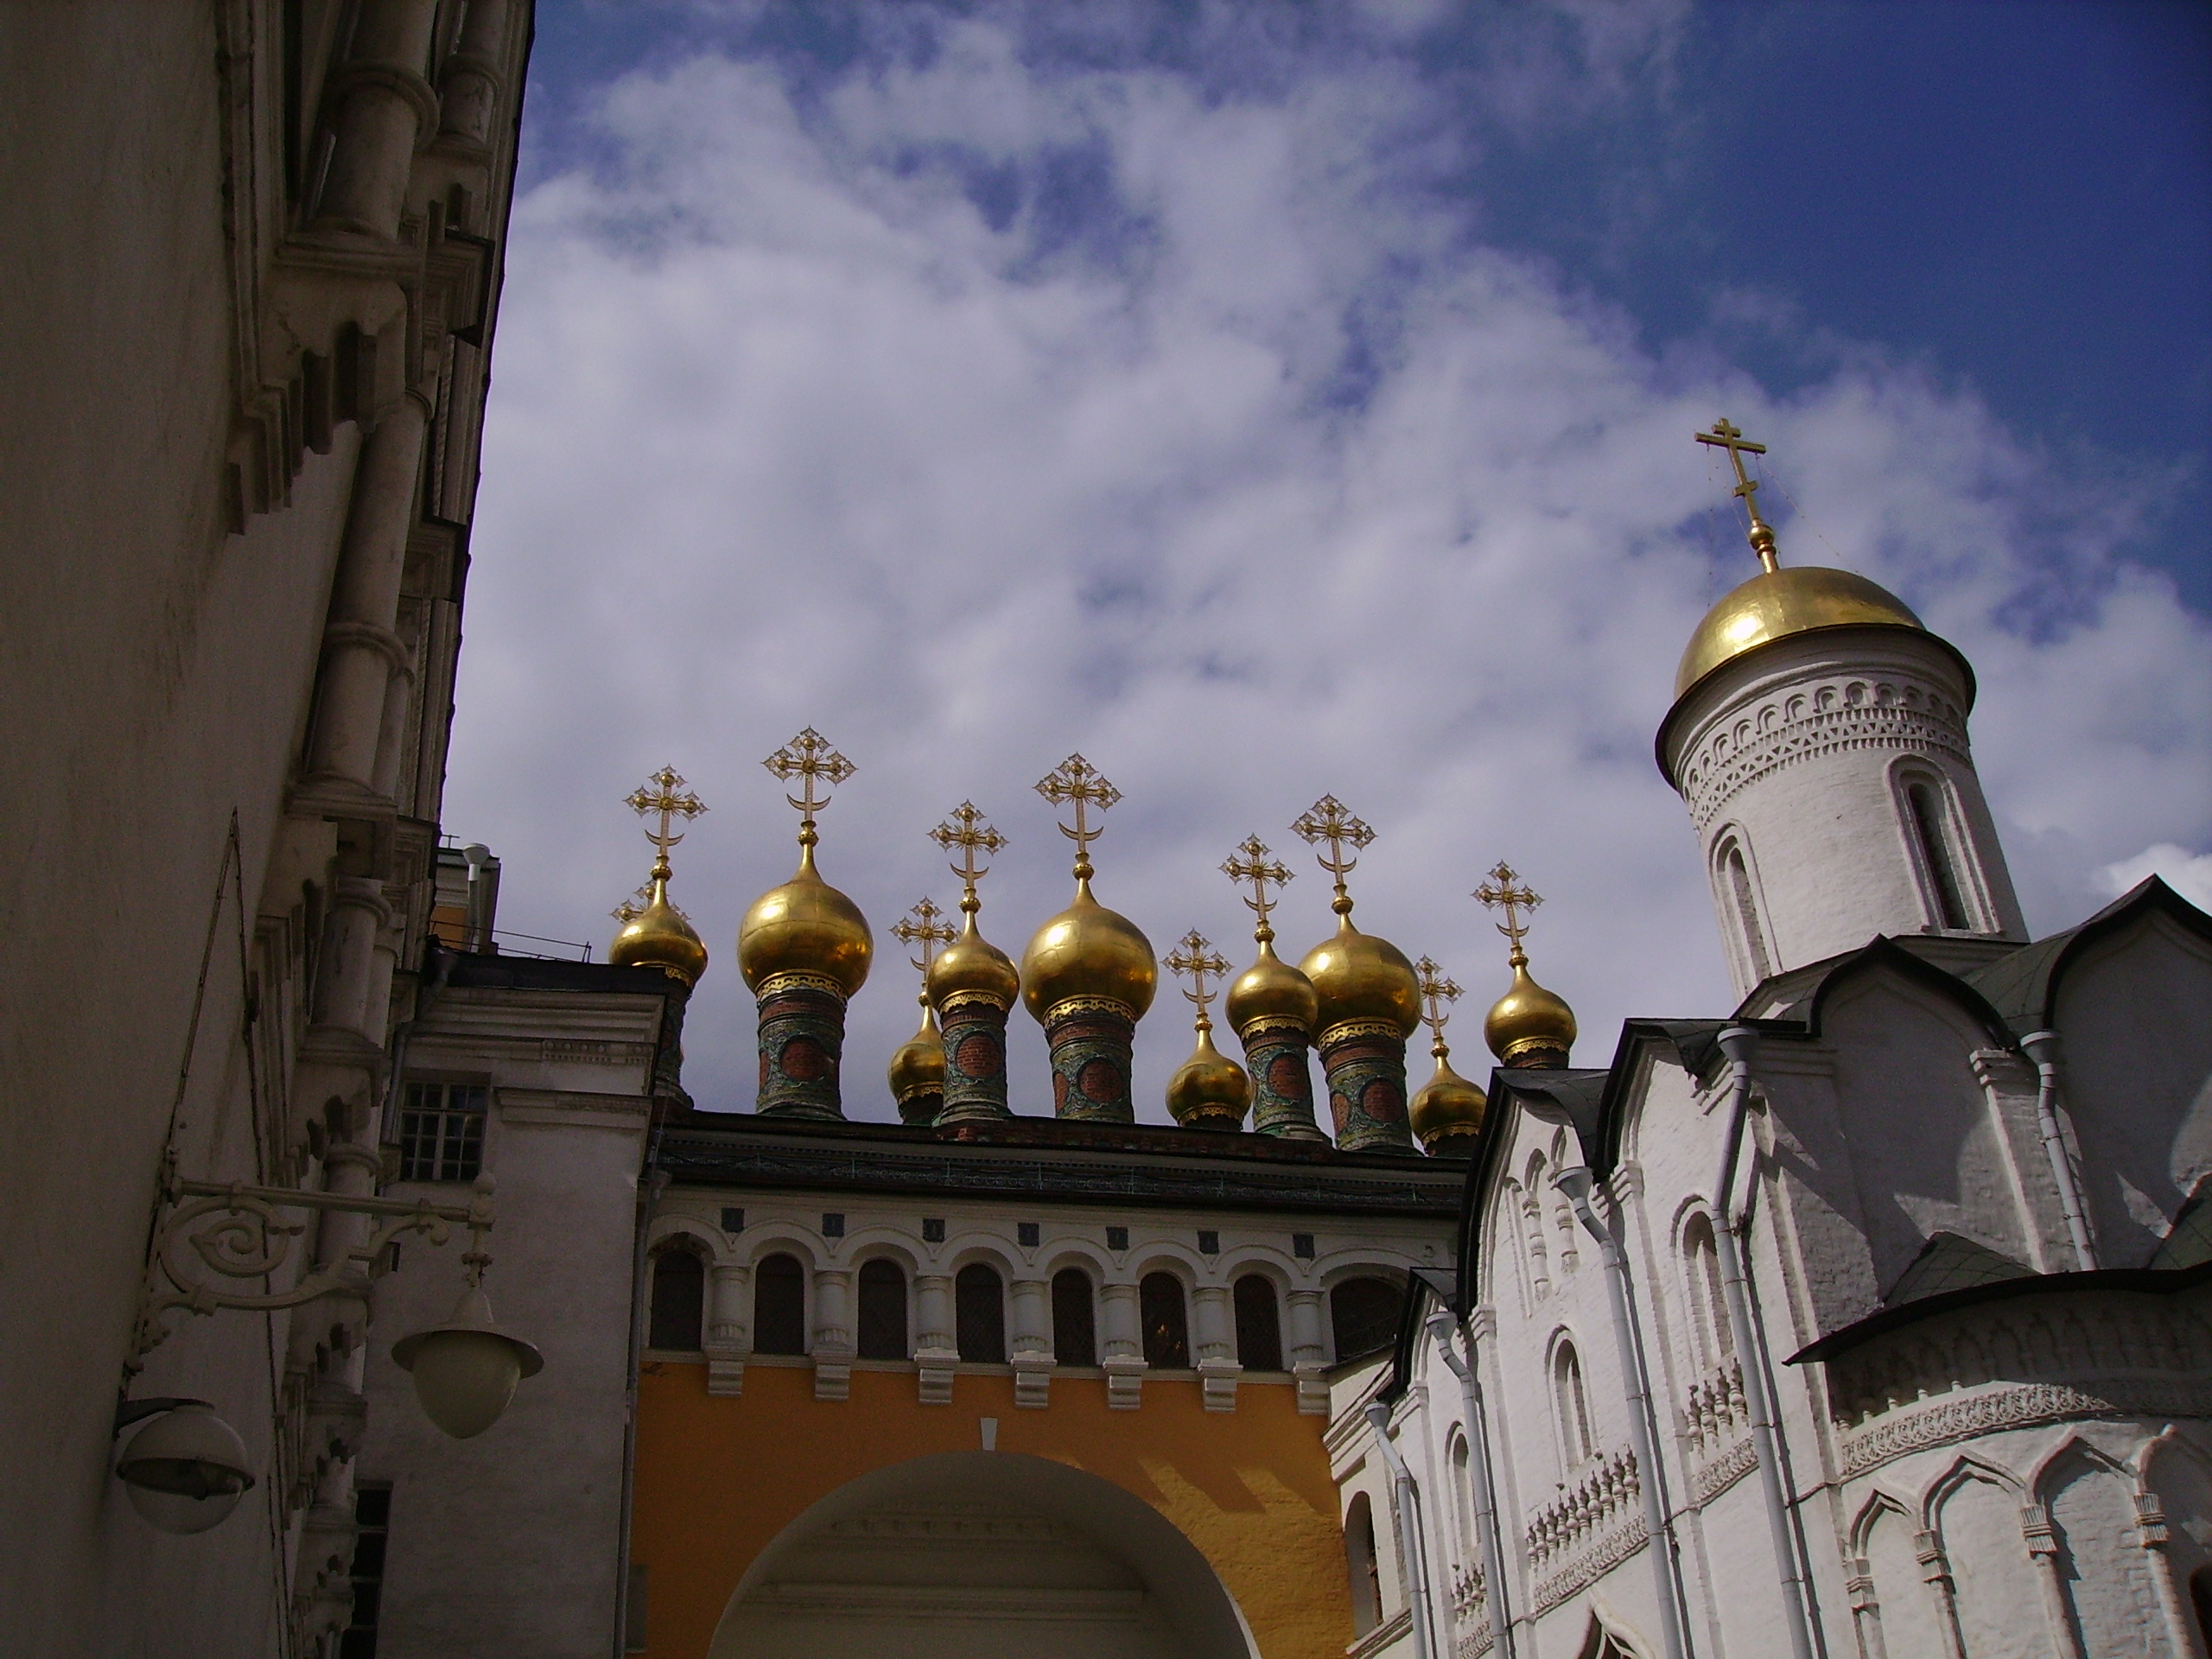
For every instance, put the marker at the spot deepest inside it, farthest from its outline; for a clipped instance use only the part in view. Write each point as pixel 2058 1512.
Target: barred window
pixel 441 1132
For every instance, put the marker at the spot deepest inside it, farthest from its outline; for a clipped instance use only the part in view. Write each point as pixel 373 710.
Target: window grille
pixel 779 1306
pixel 373 1522
pixel 441 1131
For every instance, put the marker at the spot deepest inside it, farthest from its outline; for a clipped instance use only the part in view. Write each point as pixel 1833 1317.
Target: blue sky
pixel 1276 400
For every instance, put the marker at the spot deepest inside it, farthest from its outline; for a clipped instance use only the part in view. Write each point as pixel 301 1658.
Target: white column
pixel 729 1337
pixel 935 1354
pixel 1218 1367
pixel 1308 1359
pixel 385 108
pixel 833 1333
pixel 1033 1344
pixel 470 87
pixel 1123 1360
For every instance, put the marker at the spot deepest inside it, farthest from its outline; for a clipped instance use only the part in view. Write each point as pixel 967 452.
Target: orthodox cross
pixel 968 830
pixel 1327 820
pixel 1732 438
pixel 1076 779
pixel 658 795
pixel 634 906
pixel 1501 892
pixel 921 926
pixel 807 757
pixel 1262 872
pixel 1435 991
pixel 1195 958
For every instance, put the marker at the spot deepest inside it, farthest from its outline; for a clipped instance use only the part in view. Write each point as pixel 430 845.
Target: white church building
pixel 1881 1303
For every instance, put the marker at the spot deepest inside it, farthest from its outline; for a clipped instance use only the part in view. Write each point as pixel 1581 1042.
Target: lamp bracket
pixel 236 1232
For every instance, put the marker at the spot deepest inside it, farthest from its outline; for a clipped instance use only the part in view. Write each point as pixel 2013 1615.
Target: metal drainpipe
pixel 1408 1506
pixel 1440 1328
pixel 1577 1183
pixel 653 1181
pixel 2042 1047
pixel 1739 1043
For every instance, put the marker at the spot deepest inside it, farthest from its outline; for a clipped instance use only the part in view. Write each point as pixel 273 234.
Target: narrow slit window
pixel 1739 876
pixel 779 1306
pixel 1927 816
pixel 1573 1407
pixel 979 1315
pixel 883 1311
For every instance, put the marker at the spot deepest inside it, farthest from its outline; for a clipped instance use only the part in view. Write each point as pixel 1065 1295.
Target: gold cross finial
pixel 968 830
pixel 1195 958
pixel 807 757
pixel 634 906
pixel 1502 892
pixel 1327 820
pixel 1262 872
pixel 1435 991
pixel 658 794
pixel 921 926
pixel 1732 438
pixel 1076 779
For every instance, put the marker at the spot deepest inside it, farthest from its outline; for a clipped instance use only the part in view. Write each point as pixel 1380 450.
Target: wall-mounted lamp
pixel 187 1471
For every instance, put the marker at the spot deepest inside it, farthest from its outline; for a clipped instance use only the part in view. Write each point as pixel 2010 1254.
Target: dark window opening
pixel 1364 1316
pixel 1747 910
pixel 883 1311
pixel 679 1300
pixel 1075 1318
pixel 1166 1333
pixel 441 1132
pixel 1935 854
pixel 372 1519
pixel 779 1306
pixel 979 1315
pixel 1259 1324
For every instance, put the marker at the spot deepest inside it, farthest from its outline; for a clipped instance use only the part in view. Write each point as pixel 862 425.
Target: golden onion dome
pixel 1357 976
pixel 1209 1091
pixel 1446 1111
pixel 972 964
pixel 1529 1025
pixel 1088 951
pixel 918 1065
pixel 658 937
pixel 1272 989
pixel 1775 604
pixel 805 926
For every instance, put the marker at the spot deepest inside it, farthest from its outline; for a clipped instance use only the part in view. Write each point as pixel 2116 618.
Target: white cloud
pixel 788 431
pixel 2187 874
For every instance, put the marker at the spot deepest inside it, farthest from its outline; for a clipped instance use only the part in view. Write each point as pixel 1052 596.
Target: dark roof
pixel 1055 1161
pixel 2022 988
pixel 1423 1285
pixel 547 974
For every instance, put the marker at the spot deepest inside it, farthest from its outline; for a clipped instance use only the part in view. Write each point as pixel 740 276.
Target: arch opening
pixel 982 1555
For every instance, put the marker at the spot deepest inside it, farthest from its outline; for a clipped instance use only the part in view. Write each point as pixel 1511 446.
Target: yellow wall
pixel 718 1478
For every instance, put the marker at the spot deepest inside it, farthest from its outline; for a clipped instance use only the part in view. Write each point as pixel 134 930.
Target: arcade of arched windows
pixel 848 1291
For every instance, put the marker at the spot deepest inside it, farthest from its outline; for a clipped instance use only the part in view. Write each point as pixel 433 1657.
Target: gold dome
pixel 972 964
pixel 1272 989
pixel 1774 604
pixel 805 926
pixel 1209 1091
pixel 1357 976
pixel 1088 951
pixel 658 937
pixel 1446 1111
pixel 1528 1023
pixel 918 1065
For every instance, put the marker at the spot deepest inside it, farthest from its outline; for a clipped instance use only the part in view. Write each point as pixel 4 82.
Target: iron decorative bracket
pixel 237 1231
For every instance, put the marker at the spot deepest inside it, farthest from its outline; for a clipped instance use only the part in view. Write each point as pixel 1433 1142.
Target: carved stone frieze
pixel 2022 1406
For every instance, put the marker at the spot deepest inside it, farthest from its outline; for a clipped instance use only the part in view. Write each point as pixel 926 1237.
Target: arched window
pixel 1925 808
pixel 883 1310
pixel 1736 876
pixel 979 1314
pixel 779 1305
pixel 1701 1260
pixel 679 1300
pixel 1361 1567
pixel 1572 1406
pixel 1259 1324
pixel 1167 1334
pixel 1364 1316
pixel 1075 1318
pixel 1464 1532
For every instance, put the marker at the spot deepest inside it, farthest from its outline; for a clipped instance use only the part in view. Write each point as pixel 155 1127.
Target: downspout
pixel 1577 1182
pixel 1408 1505
pixel 1739 1043
pixel 2042 1047
pixel 1440 1328
pixel 653 1181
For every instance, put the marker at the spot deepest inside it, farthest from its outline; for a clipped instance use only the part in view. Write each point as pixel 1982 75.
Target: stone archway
pixel 982 1555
